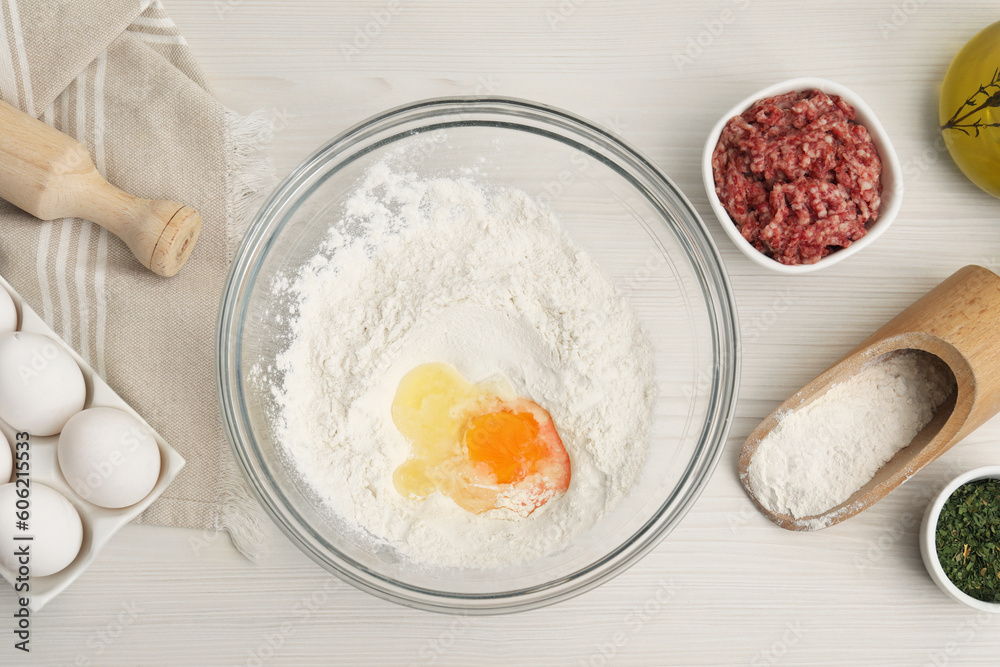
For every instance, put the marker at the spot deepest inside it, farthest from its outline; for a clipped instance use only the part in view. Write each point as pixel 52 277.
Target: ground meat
pixel 798 176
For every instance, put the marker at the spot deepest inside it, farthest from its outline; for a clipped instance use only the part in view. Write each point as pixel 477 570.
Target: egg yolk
pixel 479 444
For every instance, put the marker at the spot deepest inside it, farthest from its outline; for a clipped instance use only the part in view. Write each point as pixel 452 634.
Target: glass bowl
pixel 614 204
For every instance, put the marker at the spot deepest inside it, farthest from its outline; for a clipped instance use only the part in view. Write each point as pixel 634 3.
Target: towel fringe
pixel 239 514
pixel 251 171
pixel 250 177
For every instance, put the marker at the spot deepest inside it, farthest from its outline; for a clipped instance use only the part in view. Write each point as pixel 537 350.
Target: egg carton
pixel 99 523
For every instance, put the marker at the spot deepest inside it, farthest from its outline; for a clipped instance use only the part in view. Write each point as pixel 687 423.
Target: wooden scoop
pixel 958 321
pixel 50 175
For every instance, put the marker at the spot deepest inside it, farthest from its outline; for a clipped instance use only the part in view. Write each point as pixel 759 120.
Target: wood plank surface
pixel 727 586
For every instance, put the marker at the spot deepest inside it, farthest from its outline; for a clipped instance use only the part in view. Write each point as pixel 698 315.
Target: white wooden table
pixel 726 587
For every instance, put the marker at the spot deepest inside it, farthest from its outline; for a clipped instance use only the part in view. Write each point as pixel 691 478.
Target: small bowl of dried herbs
pixel 960 539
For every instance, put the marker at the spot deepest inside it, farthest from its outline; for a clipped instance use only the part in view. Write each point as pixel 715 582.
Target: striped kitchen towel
pixel 118 76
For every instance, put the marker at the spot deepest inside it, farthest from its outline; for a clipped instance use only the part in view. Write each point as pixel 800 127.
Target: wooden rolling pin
pixel 50 175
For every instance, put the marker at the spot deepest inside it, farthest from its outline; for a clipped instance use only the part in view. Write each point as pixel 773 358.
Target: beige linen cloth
pixel 118 76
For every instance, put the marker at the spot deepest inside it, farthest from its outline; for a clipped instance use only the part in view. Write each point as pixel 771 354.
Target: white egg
pixel 53 523
pixel 108 457
pixel 8 312
pixel 6 459
pixel 41 385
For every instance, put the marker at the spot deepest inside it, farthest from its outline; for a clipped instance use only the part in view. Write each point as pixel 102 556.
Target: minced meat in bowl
pixel 801 176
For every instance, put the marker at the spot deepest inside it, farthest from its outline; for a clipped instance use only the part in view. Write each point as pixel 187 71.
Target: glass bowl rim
pixel 713 281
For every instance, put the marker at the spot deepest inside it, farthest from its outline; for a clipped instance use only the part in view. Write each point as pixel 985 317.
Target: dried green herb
pixel 968 539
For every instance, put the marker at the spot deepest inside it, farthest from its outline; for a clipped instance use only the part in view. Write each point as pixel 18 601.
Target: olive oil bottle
pixel 969 109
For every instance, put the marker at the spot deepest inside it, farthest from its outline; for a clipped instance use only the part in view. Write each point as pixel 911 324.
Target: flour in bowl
pixel 484 279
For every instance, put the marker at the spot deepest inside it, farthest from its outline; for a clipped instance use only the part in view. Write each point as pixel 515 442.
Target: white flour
pixel 487 281
pixel 818 456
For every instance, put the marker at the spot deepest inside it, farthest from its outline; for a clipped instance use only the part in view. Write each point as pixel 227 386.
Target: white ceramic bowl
pixel 928 549
pixel 892 174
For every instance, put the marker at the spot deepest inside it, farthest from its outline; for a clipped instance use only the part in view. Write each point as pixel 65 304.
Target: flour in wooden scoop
pixel 484 279
pixel 818 456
